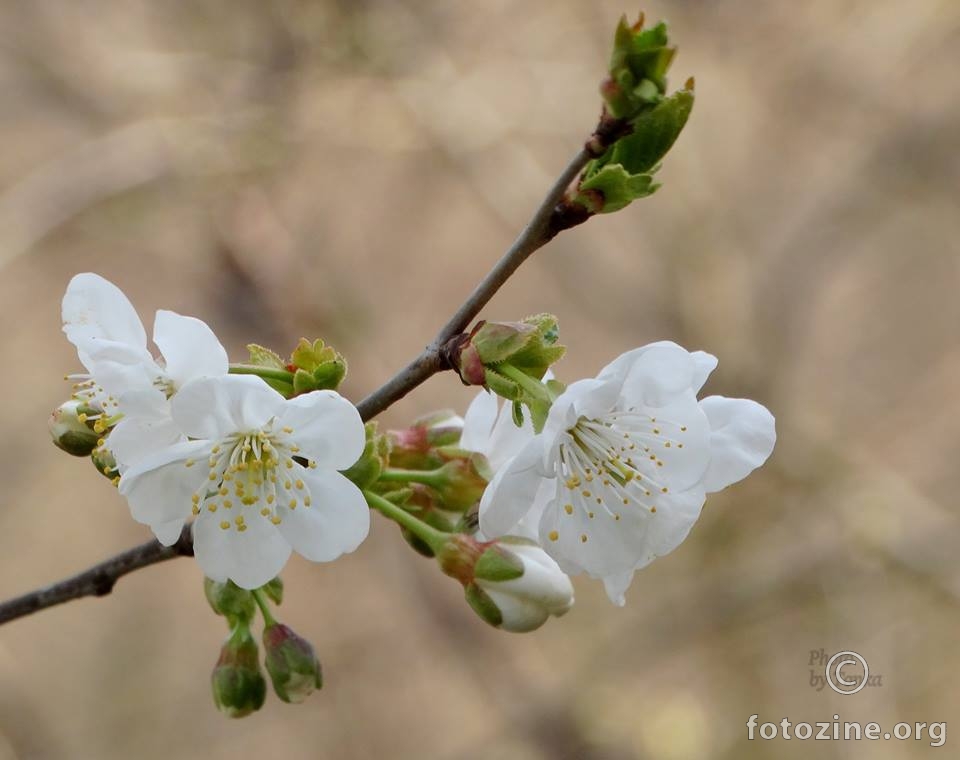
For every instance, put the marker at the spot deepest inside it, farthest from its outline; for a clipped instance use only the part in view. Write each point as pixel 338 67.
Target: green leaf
pixel 612 188
pixel 654 133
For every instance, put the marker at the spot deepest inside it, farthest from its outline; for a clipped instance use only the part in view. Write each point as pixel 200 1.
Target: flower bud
pixel 460 482
pixel 71 431
pixel 229 600
pixel 511 583
pixel 291 663
pixel 415 447
pixel 238 685
pixel 510 359
pixel 526 602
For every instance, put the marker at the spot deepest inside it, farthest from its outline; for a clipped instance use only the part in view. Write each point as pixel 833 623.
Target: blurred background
pixel 349 170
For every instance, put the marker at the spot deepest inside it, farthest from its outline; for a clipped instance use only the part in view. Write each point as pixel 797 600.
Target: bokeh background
pixel 349 170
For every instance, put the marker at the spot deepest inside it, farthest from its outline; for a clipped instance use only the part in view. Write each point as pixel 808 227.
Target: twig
pixel 543 226
pixel 539 231
pixel 98 580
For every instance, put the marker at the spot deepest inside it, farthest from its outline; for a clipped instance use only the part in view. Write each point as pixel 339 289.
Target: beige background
pixel 349 170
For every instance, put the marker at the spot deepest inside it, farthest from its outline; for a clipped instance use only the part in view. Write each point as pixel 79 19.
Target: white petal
pixel 658 374
pixel 519 615
pixel 336 522
pixel 158 487
pixel 326 427
pixel 189 347
pixel 506 439
pixel 603 545
pixel 619 368
pixel 215 407
pixel 478 422
pixel 168 533
pixel 584 398
pixel 616 587
pixel 135 438
pixel 703 365
pixel 743 433
pixel 249 558
pixel 511 493
pixel 95 308
pixel 683 425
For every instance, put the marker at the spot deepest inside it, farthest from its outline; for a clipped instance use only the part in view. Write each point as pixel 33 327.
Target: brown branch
pixel 546 222
pixel 98 580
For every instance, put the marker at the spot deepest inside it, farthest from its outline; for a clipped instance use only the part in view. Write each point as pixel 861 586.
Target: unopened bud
pixel 511 582
pixel 238 685
pixel 415 447
pixel 72 431
pixel 460 482
pixel 291 662
pixel 527 601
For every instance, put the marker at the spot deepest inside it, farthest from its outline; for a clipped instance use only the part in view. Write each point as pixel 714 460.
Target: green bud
pixel 291 663
pixel 414 448
pixel 625 171
pixel 229 600
pixel 238 685
pixel 375 457
pixel 494 353
pixel 71 431
pixel 638 68
pixel 316 367
pixel 460 484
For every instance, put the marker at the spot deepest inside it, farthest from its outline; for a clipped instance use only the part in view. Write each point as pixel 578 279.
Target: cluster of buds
pixel 238 684
pixel 510 359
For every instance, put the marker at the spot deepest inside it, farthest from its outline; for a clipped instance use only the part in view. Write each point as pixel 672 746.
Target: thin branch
pixel 98 580
pixel 543 227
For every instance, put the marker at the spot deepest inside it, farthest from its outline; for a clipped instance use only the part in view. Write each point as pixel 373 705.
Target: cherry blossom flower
pixel 627 459
pixel 259 473
pixel 123 377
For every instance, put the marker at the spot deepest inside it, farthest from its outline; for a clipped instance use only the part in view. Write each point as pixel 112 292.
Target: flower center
pixel 253 474
pixel 608 464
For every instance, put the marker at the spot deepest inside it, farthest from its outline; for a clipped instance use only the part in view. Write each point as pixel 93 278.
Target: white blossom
pixel 124 381
pixel 260 475
pixel 624 463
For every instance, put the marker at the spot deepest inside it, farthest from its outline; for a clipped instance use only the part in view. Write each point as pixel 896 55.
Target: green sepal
pixel 376 454
pixel 231 601
pixel 496 564
pixel 483 605
pixel 303 382
pixel 274 590
pixel 261 356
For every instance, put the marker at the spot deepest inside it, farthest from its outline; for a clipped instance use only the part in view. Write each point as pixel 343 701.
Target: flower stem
pixel 267 373
pixel 434 538
pixel 261 599
pixel 427 477
pixel 534 387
